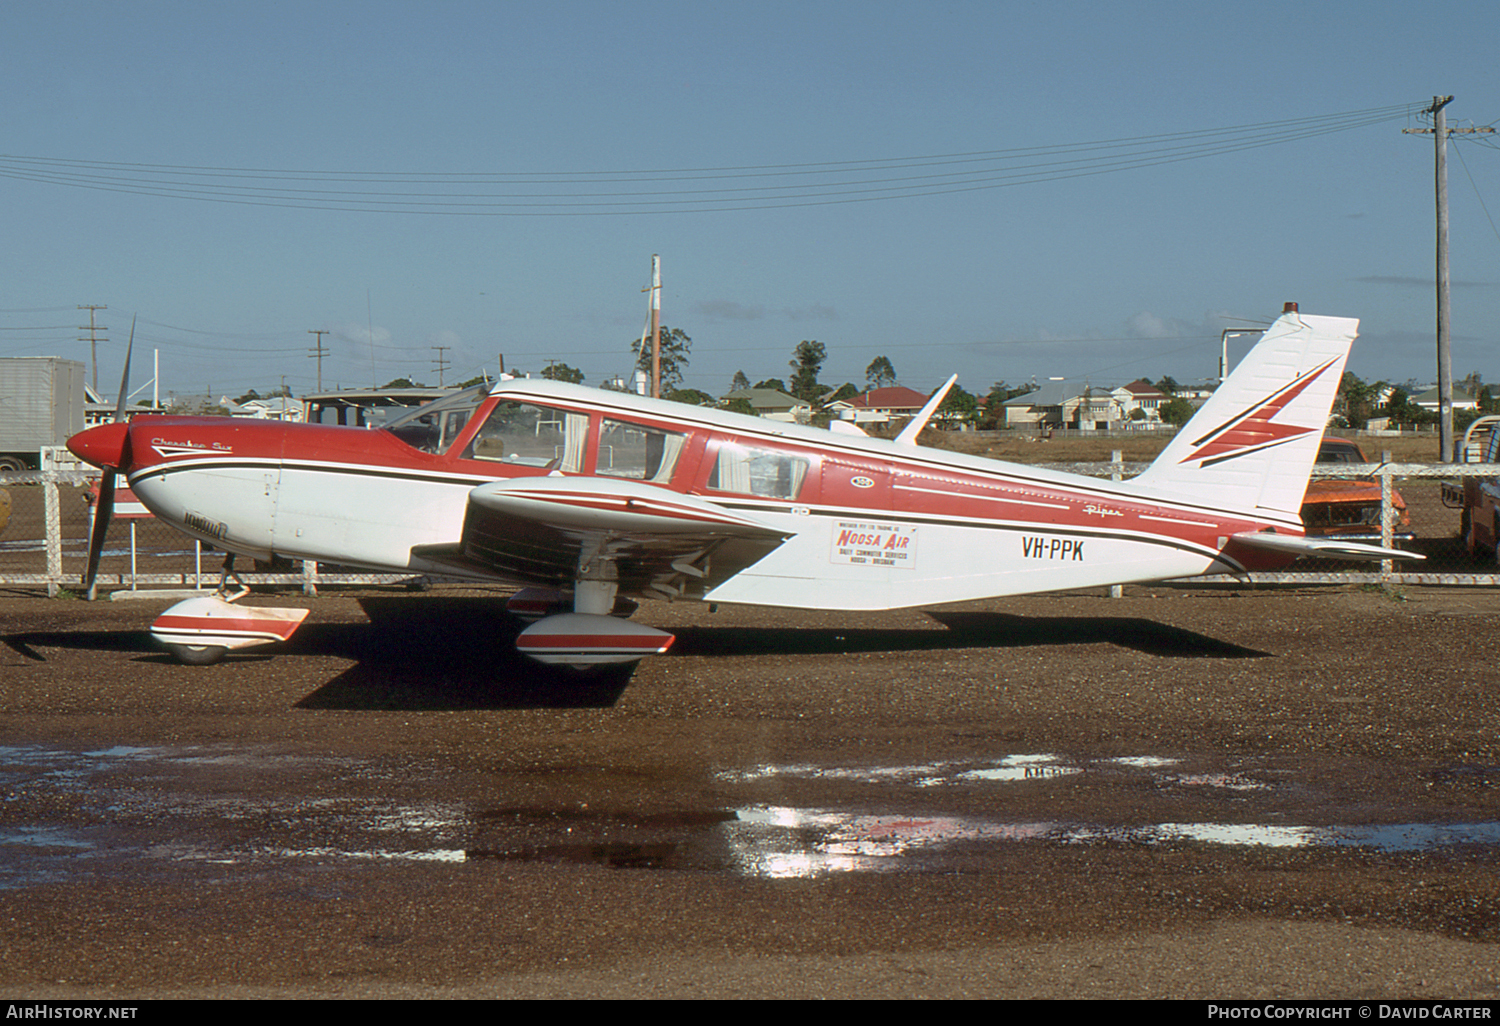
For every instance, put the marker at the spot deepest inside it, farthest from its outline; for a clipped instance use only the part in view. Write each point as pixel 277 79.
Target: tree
pixel 676 348
pixel 775 383
pixel 401 383
pixel 994 403
pixel 1176 411
pixel 690 397
pixel 844 391
pixel 880 373
pixel 1168 385
pixel 1401 410
pixel 562 372
pixel 740 382
pixel 805 367
pixel 1355 401
pixel 958 406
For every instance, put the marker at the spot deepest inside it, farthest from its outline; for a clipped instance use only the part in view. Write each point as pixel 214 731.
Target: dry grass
pixel 1015 447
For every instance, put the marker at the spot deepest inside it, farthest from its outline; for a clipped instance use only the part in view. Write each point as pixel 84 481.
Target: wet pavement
pixel 394 803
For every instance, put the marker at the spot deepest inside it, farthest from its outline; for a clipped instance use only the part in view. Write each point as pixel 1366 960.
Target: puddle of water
pixel 1010 768
pixel 216 809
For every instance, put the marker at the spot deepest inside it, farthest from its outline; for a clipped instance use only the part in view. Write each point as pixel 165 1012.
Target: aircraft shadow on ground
pixel 965 630
pixel 455 653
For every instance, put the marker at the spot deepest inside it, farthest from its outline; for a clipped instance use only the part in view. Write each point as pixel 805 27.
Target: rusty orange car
pixel 1347 507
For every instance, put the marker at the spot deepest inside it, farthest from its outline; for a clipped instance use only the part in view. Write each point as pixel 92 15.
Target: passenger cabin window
pixel 528 435
pixel 748 471
pixel 638 451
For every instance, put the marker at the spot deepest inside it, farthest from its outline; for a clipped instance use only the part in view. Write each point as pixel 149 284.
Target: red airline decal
pixel 1252 431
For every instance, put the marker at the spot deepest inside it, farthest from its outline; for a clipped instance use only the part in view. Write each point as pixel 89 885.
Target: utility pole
pixel 318 352
pixel 442 364
pixel 655 326
pixel 1440 132
pixel 93 330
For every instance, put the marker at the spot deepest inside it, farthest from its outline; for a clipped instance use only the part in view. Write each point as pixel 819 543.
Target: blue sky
pixel 1105 276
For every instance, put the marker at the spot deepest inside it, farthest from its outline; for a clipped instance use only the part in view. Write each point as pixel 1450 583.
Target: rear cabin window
pixel 751 471
pixel 532 436
pixel 638 451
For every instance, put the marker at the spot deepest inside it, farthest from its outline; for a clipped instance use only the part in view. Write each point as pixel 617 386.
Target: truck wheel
pixel 9 464
pixel 197 655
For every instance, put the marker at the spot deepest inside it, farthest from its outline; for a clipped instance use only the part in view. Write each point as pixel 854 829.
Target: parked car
pixel 1346 507
pixel 1478 497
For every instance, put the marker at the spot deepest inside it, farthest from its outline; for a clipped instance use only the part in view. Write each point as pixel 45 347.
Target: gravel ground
pixel 1181 793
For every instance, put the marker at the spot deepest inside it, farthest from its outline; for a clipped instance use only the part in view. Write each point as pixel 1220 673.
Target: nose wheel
pixel 200 631
pixel 197 655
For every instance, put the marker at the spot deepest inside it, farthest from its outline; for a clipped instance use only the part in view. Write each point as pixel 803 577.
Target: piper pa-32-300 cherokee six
pixel 587 497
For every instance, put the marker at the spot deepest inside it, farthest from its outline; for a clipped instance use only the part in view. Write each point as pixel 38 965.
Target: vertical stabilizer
pixel 1251 447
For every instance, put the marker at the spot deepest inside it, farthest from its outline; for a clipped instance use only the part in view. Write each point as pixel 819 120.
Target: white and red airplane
pixel 587 497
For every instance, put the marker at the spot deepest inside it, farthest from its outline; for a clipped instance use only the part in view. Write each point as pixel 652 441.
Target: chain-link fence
pixel 45 545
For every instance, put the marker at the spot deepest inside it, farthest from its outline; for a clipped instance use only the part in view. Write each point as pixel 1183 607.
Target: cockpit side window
pixel 435 426
pixel 532 436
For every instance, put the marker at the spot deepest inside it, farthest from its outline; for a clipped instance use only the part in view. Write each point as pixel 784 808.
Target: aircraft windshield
pixel 433 426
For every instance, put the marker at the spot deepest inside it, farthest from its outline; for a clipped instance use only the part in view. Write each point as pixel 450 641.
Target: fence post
pixel 1387 515
pixel 1117 473
pixel 52 514
pixel 310 577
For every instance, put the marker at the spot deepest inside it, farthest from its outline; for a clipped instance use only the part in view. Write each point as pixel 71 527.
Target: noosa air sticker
pixel 862 482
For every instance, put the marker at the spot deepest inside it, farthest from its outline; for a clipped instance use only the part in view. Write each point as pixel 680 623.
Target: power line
pixel 665 190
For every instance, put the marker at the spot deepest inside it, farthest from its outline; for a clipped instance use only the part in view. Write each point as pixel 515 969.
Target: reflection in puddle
pixel 67 814
pixel 1007 769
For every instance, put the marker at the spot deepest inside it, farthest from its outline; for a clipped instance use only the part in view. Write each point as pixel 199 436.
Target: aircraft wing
pixel 539 530
pixel 1325 548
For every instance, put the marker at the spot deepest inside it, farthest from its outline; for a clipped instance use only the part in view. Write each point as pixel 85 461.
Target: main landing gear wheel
pixel 197 655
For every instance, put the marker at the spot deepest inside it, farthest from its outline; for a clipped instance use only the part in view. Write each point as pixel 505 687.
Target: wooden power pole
pixel 1440 132
pixel 93 330
pixel 655 326
pixel 319 352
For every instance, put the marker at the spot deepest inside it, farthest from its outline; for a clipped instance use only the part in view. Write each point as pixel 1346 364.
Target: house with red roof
pixel 880 405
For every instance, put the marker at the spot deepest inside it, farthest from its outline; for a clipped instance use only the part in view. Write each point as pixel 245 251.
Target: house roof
pixel 1053 393
pixel 896 397
pixel 767 399
pixel 1430 397
pixel 1143 389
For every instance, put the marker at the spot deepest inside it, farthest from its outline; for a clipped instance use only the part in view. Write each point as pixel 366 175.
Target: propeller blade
pixel 103 510
pixel 125 375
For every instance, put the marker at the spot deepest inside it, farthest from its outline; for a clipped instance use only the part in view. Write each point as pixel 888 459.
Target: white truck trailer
pixel 41 403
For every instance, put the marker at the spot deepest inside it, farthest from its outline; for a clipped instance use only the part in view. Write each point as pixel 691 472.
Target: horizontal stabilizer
pixel 1323 548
